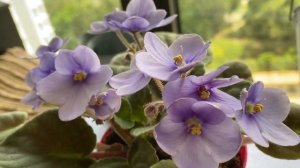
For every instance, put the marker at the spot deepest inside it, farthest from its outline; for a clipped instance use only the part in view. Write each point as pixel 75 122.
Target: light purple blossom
pixel 165 63
pixel 261 118
pixel 140 16
pixel 129 82
pixel 105 104
pixel 78 76
pixel 203 88
pixel 45 68
pixel 197 134
pixel 55 44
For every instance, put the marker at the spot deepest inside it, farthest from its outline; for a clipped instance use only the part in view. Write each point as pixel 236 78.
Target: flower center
pixel 203 93
pixel 194 126
pixel 79 76
pixel 178 59
pixel 96 101
pixel 254 108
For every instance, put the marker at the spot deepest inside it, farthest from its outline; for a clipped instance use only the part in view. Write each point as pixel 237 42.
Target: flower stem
pixel 159 84
pixel 123 40
pixel 135 36
pixel 123 134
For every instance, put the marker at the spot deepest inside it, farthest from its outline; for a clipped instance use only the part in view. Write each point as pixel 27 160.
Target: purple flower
pixel 203 88
pixel 261 118
pixel 78 76
pixel 105 104
pixel 130 81
pixel 140 16
pixel 197 134
pixel 55 44
pixel 45 68
pixel 165 63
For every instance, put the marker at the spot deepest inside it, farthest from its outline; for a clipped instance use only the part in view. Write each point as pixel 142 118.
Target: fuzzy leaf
pixel 164 164
pixel 123 117
pixel 235 90
pixel 141 130
pixel 47 142
pixel 293 119
pixel 282 152
pixel 237 68
pixel 142 154
pixel 111 163
pixel 10 122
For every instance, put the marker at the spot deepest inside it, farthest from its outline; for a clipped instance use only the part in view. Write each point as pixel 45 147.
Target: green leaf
pixel 235 90
pixel 237 68
pixel 111 163
pixel 141 154
pixel 282 152
pixel 198 70
pixel 123 117
pixel 164 164
pixel 141 130
pixel 293 119
pixel 47 142
pixel 137 101
pixel 10 122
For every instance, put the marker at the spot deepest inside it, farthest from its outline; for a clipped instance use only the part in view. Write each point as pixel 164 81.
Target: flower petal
pixel 190 46
pixel 112 100
pixel 192 154
pixel 166 21
pixel 220 83
pixel 179 88
pixel 32 99
pixel 225 148
pixel 181 109
pixel 170 135
pixel 251 128
pixel 278 133
pixel 152 67
pixel 157 49
pixel 209 77
pixel 155 17
pixel 103 111
pixel 75 104
pixel 254 92
pixel 135 24
pixel 55 44
pixel 276 105
pixel 129 82
pixel 182 69
pixel 65 63
pixel 86 58
pixel 140 7
pixel 47 62
pixel 55 88
pixel 224 98
pixel 208 112
pixel 98 27
pixel 99 78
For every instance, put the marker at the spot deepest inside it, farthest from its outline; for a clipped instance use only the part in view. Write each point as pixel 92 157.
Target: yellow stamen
pixel 79 76
pixel 204 93
pixel 178 60
pixel 254 108
pixel 194 126
pixel 258 107
pixel 99 101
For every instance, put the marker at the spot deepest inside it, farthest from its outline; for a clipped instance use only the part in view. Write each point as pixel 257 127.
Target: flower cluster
pixel 201 126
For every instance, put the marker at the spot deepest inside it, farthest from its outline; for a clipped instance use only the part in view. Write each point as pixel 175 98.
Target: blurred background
pixel 260 33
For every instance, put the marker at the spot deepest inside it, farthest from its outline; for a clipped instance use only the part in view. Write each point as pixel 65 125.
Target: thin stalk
pixel 123 40
pixel 136 39
pixel 159 84
pixel 123 134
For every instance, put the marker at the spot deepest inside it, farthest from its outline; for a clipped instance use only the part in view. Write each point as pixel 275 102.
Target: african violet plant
pixel 165 111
